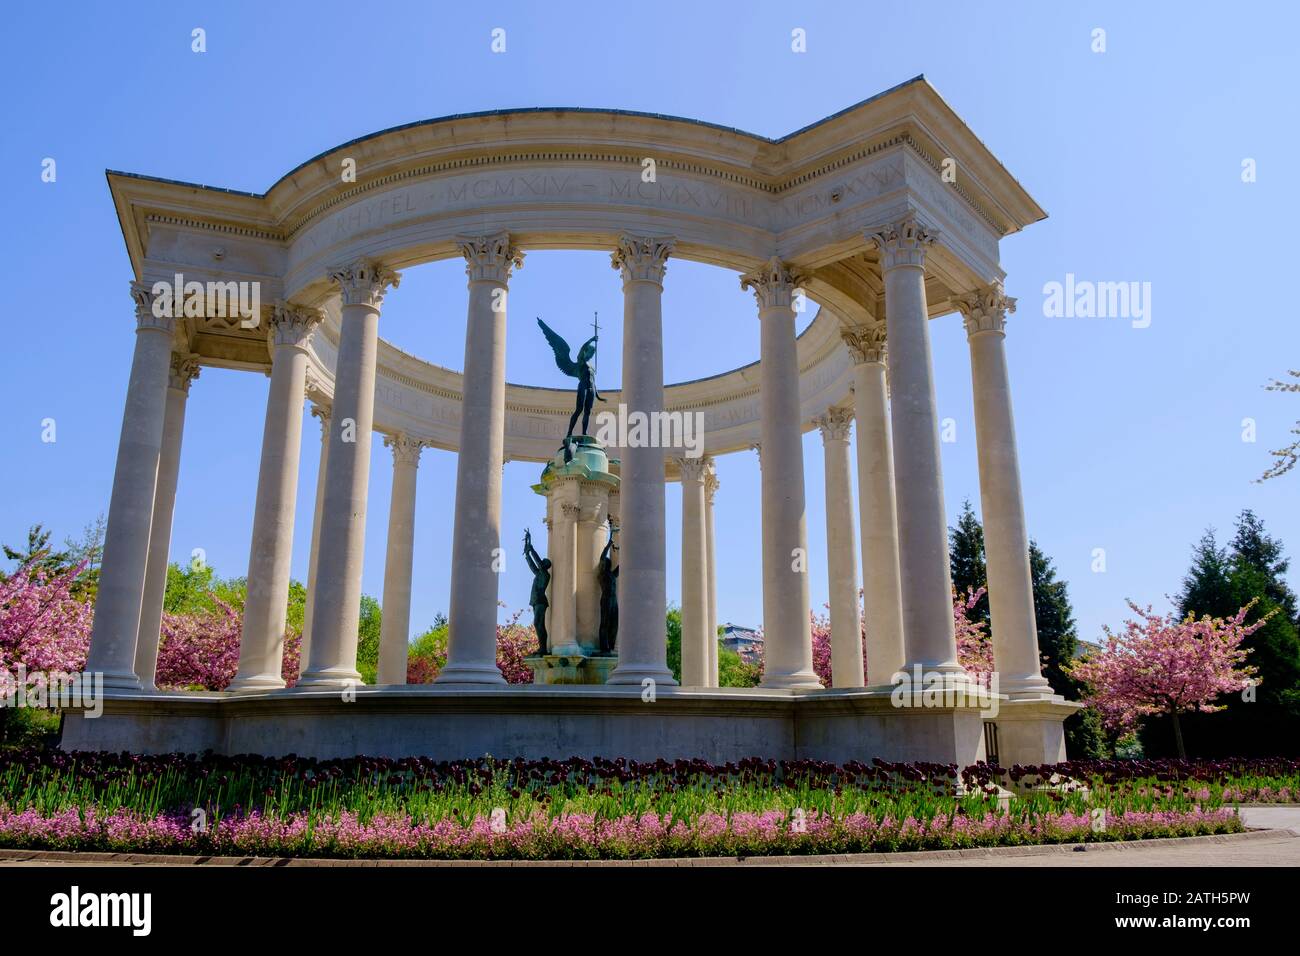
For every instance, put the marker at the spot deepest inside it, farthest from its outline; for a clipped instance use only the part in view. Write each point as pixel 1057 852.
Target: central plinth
pixel 580 485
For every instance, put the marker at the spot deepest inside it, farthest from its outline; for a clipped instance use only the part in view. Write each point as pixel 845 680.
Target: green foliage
pixel 38 553
pixel 28 727
pixel 432 643
pixel 368 639
pixel 189 589
pixel 674 628
pixel 733 671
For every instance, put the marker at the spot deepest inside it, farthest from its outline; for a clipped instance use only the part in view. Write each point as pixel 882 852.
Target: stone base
pixel 446 723
pixel 576 668
pixel 1031 732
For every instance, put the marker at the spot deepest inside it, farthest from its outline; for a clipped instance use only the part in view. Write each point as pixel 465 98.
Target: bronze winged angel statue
pixel 583 369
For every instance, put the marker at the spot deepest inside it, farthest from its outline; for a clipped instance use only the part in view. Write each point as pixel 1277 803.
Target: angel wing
pixel 561 350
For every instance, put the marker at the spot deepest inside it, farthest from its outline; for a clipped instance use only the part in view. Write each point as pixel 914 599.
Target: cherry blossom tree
pixel 974 645
pixel 1166 665
pixel 43 626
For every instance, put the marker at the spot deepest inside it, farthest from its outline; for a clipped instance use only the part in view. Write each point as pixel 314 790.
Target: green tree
pixel 38 553
pixel 733 671
pixel 189 589
pixel 368 628
pixel 674 627
pixel 966 555
pixel 1219 582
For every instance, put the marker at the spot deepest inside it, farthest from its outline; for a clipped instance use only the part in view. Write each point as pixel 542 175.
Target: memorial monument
pixel 852 216
pixel 576 484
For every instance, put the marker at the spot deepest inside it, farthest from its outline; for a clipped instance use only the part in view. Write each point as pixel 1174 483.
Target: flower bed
pixel 581 809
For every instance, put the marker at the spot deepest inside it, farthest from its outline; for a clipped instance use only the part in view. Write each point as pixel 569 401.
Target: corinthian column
pixel 711 484
pixel 841 561
pixel 184 370
pixel 1006 540
pixel 321 412
pixel 476 538
pixel 882 599
pixel 695 574
pixel 643 595
pixel 395 626
pixel 261 646
pixel 130 510
pixel 335 615
pixel 926 577
pixel 787 628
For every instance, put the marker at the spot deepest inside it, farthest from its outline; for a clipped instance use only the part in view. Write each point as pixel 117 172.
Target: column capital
pixel 902 243
pixel 184 370
pixel 835 423
pixel 293 325
pixel 490 258
pixel 711 484
pixel 642 258
pixel 570 510
pixel 774 285
pixel 692 469
pixel 406 450
pixel 364 282
pixel 866 343
pixel 985 310
pixel 147 316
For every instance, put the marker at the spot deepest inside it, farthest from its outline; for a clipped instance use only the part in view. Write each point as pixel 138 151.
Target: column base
pixel 121 680
pixel 640 673
pixel 471 673
pixel 1032 687
pixel 258 682
pixel 804 680
pixel 330 678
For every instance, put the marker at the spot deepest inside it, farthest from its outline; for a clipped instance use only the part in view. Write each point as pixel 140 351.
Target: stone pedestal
pixel 577 484
pixel 578 668
pixel 1031 732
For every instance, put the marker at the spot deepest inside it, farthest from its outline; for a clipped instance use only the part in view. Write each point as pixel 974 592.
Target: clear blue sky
pixel 1130 439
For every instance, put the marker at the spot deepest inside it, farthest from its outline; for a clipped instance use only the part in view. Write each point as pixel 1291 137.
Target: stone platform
pixel 447 723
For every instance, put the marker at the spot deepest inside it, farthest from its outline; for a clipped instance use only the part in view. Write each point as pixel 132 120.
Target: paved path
pixel 1273 840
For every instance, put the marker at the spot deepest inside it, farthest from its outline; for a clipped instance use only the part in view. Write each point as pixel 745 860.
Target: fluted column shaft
pixel 395 625
pixel 184 369
pixel 322 413
pixel 787 626
pixel 882 599
pixel 261 646
pixel 1006 538
pixel 642 582
pixel 476 537
pixel 710 489
pixel 130 511
pixel 695 571
pixel 841 559
pixel 336 613
pixel 925 574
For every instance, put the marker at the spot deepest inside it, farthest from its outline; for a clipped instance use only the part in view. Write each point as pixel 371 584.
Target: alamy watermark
pixel 50 690
pixel 921 688
pixel 194 299
pixel 1084 299
pixel 624 429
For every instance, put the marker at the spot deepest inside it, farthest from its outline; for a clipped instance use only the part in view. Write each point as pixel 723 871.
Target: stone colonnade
pixel 901 524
